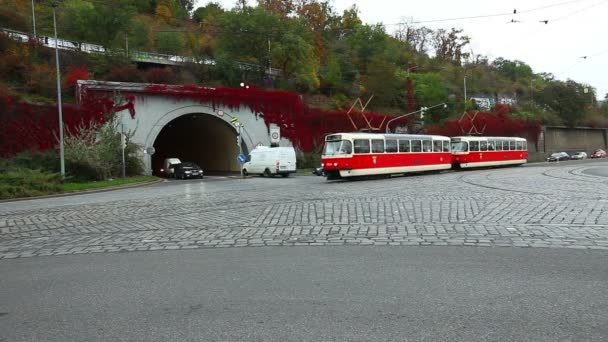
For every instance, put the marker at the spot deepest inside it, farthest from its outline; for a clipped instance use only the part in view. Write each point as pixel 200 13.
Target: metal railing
pixel 137 56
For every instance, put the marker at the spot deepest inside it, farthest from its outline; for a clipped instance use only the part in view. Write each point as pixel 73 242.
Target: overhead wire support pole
pixel 59 105
pixel 412 113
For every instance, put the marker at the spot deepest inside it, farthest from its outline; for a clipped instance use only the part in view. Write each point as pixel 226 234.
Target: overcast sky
pixel 575 28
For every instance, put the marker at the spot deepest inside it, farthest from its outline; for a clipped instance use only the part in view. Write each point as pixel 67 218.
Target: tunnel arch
pixel 192 133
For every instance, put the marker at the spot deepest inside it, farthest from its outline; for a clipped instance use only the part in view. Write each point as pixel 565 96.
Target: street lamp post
pixel 59 105
pixel 421 110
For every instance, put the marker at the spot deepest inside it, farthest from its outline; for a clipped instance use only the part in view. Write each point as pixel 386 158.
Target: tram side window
pixel 416 146
pixel 404 146
pixel 491 145
pixel 427 146
pixel 391 146
pixel 361 145
pixel 519 145
pixel 437 146
pixel 474 146
pixel 505 145
pixel 377 146
pixel 498 145
pixel 512 145
pixel 446 146
pixel 483 145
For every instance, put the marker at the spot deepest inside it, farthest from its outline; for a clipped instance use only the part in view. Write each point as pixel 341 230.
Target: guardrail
pixel 137 56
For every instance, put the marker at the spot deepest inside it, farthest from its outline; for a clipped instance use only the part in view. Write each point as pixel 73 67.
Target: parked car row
pixel 560 156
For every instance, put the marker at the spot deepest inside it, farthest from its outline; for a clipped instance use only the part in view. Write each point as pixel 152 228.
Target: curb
pixel 84 192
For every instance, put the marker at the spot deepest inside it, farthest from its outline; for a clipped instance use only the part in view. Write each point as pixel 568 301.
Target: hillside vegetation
pixel 321 53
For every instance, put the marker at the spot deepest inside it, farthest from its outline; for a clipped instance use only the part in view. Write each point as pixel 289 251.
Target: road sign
pixel 275 134
pixel 241 158
pixel 150 150
pixel 234 120
pixel 220 113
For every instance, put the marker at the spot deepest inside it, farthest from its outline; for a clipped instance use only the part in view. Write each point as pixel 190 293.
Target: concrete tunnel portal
pixel 200 138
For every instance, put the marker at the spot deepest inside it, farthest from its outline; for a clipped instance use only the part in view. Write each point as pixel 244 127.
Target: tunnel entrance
pixel 199 138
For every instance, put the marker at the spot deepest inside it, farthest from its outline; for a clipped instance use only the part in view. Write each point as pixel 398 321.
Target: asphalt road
pixel 309 294
pixel 597 171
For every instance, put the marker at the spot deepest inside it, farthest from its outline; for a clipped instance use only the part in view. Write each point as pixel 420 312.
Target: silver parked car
pixel 578 156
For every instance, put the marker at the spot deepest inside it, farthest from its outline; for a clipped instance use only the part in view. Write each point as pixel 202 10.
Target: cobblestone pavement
pixel 540 205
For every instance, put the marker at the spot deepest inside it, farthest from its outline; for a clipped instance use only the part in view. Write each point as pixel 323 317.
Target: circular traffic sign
pixel 275 135
pixel 150 150
pixel 220 112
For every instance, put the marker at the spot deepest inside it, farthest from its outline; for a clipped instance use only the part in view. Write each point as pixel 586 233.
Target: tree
pixel 566 99
pixel 366 42
pixel 187 5
pixel 380 81
pixel 207 13
pixel 448 45
pixel 282 8
pixel 169 42
pixel 331 75
pixel 514 70
pixel 429 90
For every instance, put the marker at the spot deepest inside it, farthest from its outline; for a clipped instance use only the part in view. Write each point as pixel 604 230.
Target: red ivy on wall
pixel 26 126
pixel 496 123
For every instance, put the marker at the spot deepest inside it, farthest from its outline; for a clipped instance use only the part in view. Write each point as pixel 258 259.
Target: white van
pixel 169 166
pixel 271 161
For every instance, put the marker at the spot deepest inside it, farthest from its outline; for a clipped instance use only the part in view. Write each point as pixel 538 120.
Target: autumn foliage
pixel 73 74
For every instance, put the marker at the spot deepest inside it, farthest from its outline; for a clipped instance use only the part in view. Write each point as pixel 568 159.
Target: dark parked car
pixel 599 153
pixel 188 170
pixel 559 156
pixel 318 171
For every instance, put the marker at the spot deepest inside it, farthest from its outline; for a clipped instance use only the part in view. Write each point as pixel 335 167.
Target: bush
pixel 42 80
pixel 127 73
pixel 21 182
pixel 47 161
pixel 159 75
pixel 72 76
pixel 95 154
pixel 308 160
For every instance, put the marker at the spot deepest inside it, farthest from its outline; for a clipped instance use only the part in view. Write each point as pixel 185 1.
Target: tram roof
pixel 469 137
pixel 363 135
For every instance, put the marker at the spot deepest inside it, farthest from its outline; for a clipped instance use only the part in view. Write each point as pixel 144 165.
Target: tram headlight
pixel 335 164
pixel 322 164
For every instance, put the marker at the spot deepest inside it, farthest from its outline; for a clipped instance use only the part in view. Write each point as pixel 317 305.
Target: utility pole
pixel 465 89
pixel 240 147
pixel 123 145
pixel 59 105
pixel 269 60
pixel 34 18
pixel 127 43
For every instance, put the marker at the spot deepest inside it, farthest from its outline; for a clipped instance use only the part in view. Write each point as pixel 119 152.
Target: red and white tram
pixel 364 154
pixel 472 151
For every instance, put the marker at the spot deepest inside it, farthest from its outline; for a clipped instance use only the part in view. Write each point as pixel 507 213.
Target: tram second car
pixel 470 152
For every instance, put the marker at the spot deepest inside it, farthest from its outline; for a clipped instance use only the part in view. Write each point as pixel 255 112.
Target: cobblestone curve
pixel 542 206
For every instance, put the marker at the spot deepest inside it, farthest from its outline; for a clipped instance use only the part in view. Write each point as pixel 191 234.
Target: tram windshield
pixel 460 146
pixel 336 148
